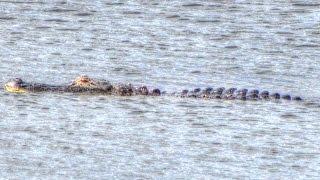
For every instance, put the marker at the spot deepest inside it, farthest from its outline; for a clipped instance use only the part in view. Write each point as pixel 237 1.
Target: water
pixel 172 45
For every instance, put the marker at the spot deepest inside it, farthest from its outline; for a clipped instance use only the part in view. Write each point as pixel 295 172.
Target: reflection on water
pixel 170 45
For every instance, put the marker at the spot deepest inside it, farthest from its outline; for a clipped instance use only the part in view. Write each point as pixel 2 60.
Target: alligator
pixel 82 84
pixel 86 85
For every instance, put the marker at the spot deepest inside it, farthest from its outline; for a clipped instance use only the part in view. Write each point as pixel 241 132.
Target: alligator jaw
pixel 11 87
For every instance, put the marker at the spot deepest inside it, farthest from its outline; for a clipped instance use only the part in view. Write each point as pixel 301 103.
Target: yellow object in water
pixel 11 88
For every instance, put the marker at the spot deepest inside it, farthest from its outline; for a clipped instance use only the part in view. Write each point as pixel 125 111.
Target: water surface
pixel 172 45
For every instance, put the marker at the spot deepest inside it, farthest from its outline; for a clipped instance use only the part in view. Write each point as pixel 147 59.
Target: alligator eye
pixel 84 80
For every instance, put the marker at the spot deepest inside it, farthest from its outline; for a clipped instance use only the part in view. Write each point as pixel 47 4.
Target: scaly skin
pixel 116 88
pixel 82 84
pixel 233 93
pixel 19 86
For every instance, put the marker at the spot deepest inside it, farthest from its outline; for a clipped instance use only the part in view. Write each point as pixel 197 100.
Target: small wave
pixel 56 20
pixel 23 2
pixel 114 4
pixel 59 10
pixel 7 18
pixel 68 29
pixel 231 47
pixel 173 16
pixel 43 27
pixel 289 116
pixel 132 12
pixel 308 45
pixel 83 14
pixel 192 5
pixel 87 49
pixel 304 5
pixel 208 21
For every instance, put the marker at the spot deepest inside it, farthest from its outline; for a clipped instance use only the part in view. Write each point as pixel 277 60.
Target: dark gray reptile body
pixel 102 87
pixel 107 88
pixel 233 93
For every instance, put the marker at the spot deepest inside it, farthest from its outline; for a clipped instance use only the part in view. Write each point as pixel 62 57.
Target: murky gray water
pixel 173 45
